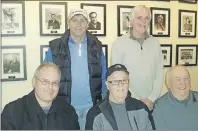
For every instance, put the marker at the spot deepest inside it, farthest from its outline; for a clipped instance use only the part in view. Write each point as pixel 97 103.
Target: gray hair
pixel 135 10
pixel 46 65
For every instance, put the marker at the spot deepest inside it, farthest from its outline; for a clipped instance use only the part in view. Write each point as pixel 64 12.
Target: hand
pixel 148 102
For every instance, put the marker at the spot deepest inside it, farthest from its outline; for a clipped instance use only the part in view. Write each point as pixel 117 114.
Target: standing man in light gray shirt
pixel 142 55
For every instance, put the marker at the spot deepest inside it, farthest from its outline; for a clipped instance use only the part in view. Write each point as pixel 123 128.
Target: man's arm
pixel 159 75
pixel 158 118
pixel 104 70
pixel 116 53
pixel 48 57
pixel 6 122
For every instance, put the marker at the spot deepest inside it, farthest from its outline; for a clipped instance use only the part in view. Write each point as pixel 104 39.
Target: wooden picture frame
pixel 97 18
pixel 186 55
pixel 167 54
pixel 13 63
pixel 160 22
pixel 123 18
pixel 187 23
pixel 53 18
pixel 13 18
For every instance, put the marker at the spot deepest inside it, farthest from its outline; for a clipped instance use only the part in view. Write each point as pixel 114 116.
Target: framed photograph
pixel 123 12
pixel 97 18
pixel 187 23
pixel 43 52
pixel 13 63
pixel 188 1
pixel 186 55
pixel 105 51
pixel 167 53
pixel 160 22
pixel 53 18
pixel 13 18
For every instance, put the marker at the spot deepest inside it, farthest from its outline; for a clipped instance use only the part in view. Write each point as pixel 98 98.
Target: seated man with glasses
pixel 41 109
pixel 119 111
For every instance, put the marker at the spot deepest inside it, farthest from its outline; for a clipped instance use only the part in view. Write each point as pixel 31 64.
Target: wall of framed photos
pixel 33 32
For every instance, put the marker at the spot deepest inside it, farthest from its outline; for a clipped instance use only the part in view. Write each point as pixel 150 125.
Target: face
pixel 93 17
pixel 180 83
pixel 141 21
pixel 78 25
pixel 159 19
pixel 46 84
pixel 53 17
pixel 118 85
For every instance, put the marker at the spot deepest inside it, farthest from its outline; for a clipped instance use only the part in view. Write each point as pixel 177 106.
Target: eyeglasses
pixel 117 82
pixel 46 82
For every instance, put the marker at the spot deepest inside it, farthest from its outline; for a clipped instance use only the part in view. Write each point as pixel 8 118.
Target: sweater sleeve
pixel 116 53
pixel 158 118
pixel 6 118
pixel 159 75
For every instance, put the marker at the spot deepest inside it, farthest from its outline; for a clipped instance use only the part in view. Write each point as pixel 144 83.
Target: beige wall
pixel 32 40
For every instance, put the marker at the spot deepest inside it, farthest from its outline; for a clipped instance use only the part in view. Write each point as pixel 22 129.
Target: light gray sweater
pixel 144 63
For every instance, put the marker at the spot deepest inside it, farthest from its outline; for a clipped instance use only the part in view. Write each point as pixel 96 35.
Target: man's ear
pixel 34 82
pixel 107 84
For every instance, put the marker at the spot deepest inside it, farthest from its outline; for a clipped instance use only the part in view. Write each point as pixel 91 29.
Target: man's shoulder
pixel 162 100
pixel 195 93
pixel 133 104
pixel 62 104
pixel 16 105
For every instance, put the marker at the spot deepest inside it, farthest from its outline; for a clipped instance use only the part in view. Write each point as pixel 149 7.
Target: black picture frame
pixel 188 1
pixel 13 63
pixel 167 54
pixel 48 11
pixel 160 22
pixel 43 51
pixel 100 11
pixel 187 29
pixel 13 25
pixel 105 51
pixel 123 18
pixel 184 54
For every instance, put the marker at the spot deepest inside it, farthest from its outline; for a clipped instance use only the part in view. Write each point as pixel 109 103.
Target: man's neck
pixel 77 39
pixel 42 103
pixel 117 101
pixel 136 34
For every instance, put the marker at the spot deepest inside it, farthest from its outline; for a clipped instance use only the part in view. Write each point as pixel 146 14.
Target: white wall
pixel 33 40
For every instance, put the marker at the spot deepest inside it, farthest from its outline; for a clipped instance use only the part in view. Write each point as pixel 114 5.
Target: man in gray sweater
pixel 177 109
pixel 142 56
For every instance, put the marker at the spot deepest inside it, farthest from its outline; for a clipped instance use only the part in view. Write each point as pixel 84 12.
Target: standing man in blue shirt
pixel 79 55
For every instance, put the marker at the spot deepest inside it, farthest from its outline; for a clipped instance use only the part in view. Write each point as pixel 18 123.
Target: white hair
pixel 135 10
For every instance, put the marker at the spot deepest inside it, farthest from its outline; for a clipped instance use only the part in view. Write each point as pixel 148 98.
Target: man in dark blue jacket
pixel 79 55
pixel 41 109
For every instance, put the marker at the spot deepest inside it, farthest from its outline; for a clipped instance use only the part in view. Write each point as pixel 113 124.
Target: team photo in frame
pixel 187 23
pixel 13 18
pixel 160 22
pixel 188 1
pixel 13 63
pixel 186 55
pixel 123 12
pixel 53 18
pixel 97 18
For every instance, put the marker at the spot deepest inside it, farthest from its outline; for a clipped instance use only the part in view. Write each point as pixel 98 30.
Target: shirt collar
pixel 134 38
pixel 73 42
pixel 190 98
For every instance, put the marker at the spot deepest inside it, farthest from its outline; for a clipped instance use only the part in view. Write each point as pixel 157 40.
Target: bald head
pixel 178 81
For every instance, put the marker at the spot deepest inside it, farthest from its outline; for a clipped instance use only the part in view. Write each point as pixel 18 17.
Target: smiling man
pixel 178 108
pixel 142 55
pixel 118 111
pixel 41 109
pixel 79 55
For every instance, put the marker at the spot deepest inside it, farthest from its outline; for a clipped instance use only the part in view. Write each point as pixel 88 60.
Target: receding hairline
pixel 46 65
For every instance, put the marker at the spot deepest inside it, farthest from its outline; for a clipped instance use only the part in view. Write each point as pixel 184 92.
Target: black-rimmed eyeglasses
pixel 117 82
